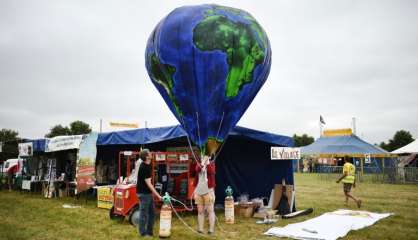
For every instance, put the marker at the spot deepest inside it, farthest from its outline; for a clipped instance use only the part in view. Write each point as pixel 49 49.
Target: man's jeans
pixel 146 214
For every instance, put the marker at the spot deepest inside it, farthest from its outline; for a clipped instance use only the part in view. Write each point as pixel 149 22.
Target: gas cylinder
pixel 229 206
pixel 165 217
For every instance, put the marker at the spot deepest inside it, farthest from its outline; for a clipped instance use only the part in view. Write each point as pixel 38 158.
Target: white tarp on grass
pixel 328 226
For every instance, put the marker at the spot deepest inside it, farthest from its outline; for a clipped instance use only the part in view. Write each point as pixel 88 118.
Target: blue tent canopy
pixel 343 145
pixel 140 136
pixel 38 145
pixel 153 135
pixel 244 162
pixel 351 146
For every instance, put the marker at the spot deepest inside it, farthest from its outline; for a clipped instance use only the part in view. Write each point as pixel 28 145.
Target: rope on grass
pixel 191 209
pixel 185 224
pixel 184 205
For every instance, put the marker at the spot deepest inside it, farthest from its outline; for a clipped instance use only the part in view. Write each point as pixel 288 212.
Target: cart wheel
pixel 114 216
pixel 134 216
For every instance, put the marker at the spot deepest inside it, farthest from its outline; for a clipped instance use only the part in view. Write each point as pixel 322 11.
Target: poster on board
pixel 285 153
pixel 367 158
pixel 86 162
pixel 25 149
pixel 63 143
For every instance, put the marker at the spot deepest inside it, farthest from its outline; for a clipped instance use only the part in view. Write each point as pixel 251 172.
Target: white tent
pixel 410 148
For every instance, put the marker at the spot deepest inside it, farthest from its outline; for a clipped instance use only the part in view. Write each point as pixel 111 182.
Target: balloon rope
pixel 220 149
pixel 188 140
pixel 217 134
pixel 220 125
pixel 185 224
pixel 190 228
pixel 184 205
pixel 198 131
pixel 191 149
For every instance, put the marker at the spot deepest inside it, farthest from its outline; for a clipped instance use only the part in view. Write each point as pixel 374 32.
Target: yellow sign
pixel 123 125
pixel 338 132
pixel 105 197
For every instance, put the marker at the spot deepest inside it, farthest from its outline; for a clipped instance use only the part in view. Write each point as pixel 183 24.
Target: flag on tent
pixel 321 119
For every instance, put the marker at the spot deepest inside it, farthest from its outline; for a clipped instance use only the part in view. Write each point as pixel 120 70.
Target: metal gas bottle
pixel 229 206
pixel 165 217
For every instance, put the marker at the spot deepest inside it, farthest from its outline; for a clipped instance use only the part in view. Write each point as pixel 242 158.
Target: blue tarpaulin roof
pixel 340 145
pixel 153 135
pixel 244 163
pixel 38 145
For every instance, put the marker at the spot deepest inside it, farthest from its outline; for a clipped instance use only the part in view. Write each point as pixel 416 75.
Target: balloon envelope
pixel 208 62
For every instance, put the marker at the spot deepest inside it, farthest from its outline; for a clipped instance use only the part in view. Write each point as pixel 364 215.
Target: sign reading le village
pixel 284 153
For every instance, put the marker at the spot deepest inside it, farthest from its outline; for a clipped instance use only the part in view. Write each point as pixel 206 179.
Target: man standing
pixel 11 172
pixel 144 190
pixel 349 180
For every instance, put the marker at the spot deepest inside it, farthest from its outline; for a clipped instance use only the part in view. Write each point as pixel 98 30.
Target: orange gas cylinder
pixel 229 206
pixel 165 218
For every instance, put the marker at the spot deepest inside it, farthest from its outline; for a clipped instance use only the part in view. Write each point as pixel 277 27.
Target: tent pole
pixel 320 129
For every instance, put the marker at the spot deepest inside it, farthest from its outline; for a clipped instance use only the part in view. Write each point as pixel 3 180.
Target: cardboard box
pixel 246 209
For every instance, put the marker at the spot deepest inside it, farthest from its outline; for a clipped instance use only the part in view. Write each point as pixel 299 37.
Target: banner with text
pixel 284 153
pixel 123 125
pixel 63 143
pixel 86 162
pixel 25 149
pixel 338 132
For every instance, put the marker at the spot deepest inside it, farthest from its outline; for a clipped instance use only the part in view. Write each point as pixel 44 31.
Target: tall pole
pixel 320 129
pixel 101 122
pixel 354 126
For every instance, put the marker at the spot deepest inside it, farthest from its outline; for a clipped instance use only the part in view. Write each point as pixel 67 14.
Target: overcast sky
pixel 62 61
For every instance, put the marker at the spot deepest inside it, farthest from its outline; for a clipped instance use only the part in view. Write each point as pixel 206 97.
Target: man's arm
pixel 341 178
pixel 151 187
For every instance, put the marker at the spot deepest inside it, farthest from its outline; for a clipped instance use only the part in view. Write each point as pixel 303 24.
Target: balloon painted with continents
pixel 208 62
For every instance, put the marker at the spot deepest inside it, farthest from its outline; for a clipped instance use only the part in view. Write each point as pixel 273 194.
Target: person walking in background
pixel 11 174
pixel 349 180
pixel 204 195
pixel 145 190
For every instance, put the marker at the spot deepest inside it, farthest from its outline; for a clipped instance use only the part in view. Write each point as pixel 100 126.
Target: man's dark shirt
pixel 144 172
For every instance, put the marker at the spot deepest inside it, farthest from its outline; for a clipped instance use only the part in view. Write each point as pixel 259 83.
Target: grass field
pixel 29 216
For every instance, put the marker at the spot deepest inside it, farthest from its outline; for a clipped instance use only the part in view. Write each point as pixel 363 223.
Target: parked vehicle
pixel 9 163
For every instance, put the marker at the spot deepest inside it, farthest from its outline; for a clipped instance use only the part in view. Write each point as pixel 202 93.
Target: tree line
pixel 75 128
pixel 9 138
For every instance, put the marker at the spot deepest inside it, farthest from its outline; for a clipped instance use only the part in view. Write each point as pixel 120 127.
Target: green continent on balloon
pixel 254 24
pixel 238 41
pixel 163 75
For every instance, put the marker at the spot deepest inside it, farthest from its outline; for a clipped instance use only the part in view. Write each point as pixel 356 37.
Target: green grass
pixel 29 216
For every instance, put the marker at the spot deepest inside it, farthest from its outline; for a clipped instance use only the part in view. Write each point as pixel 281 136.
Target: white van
pixel 9 163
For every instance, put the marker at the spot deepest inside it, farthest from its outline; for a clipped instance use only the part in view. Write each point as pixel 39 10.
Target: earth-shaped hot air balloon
pixel 208 62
